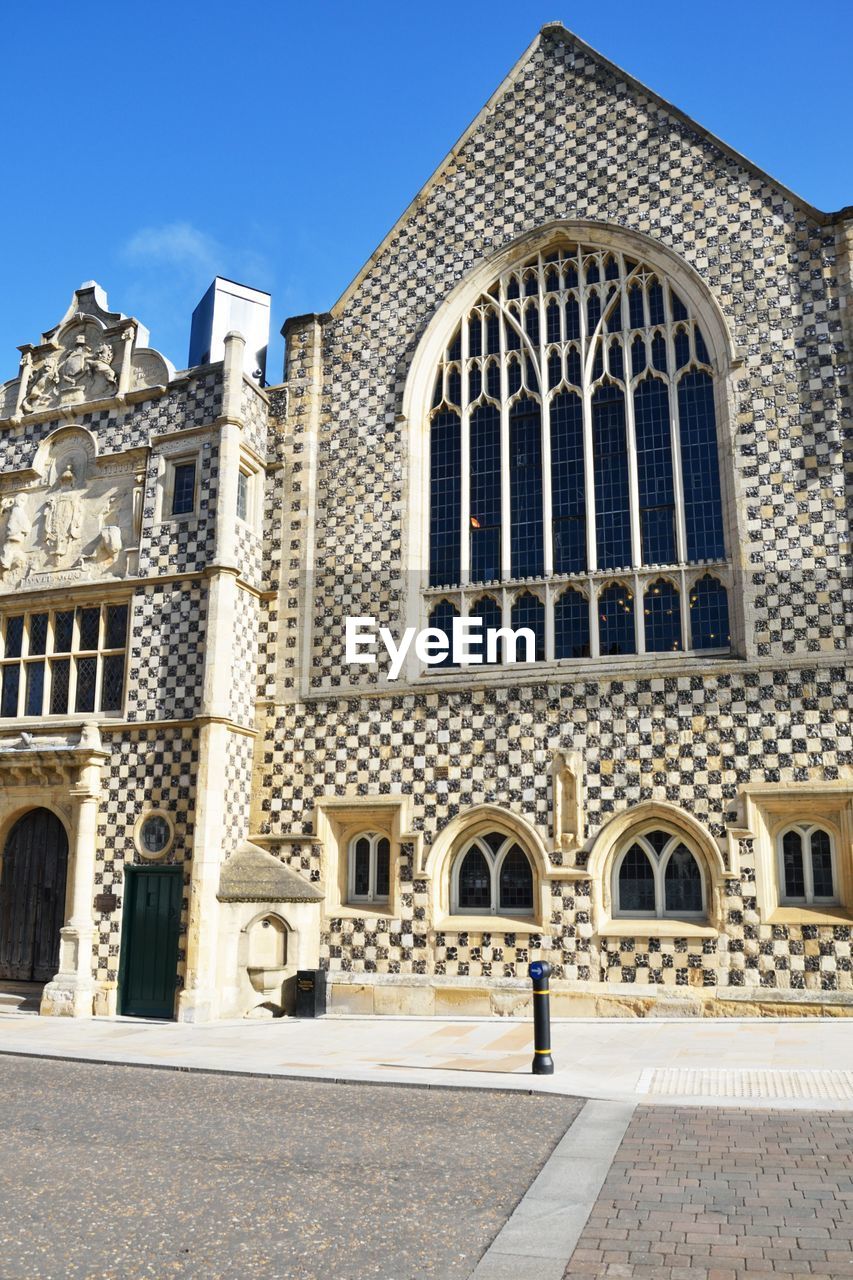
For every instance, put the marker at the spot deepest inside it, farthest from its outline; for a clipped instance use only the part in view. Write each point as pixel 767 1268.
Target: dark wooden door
pixel 149 945
pixel 32 897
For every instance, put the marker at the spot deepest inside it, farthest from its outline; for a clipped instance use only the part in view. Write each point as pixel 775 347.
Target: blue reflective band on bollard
pixel 543 1063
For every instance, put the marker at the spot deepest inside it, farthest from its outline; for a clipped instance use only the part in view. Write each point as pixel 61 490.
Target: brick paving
pixel 699 1194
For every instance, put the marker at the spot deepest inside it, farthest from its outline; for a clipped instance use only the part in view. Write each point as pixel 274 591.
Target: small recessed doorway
pixel 32 897
pixel 149 943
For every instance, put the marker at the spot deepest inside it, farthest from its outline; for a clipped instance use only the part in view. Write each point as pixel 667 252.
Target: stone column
pixel 71 992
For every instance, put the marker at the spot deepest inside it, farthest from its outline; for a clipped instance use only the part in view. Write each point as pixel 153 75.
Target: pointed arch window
pixel 656 876
pixel 492 875
pixel 807 871
pixel 573 435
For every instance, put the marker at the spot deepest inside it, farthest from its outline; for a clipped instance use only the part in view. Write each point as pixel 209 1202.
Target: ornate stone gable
pixel 92 355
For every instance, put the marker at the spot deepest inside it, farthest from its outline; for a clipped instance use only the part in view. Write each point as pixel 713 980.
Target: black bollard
pixel 543 1063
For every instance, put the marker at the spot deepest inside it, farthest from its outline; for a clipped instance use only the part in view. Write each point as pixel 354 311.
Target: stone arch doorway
pixel 32 897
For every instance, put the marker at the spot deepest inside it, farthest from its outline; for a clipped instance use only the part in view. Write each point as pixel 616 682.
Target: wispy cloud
pixel 176 243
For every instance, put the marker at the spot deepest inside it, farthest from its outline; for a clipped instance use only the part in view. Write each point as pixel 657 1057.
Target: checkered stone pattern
pixel 196 402
pixel 254 410
pixel 238 790
pixel 770 266
pixel 690 741
pixel 250 555
pixel 147 769
pixel 181 544
pixel 166 654
pixel 245 662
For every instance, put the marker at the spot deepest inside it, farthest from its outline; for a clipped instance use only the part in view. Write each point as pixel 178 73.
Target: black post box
pixel 310 993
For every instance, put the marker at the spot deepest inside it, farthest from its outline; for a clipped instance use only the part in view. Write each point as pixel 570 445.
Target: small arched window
pixel 656 876
pixel 807 871
pixel 369 868
pixel 573 434
pixel 492 875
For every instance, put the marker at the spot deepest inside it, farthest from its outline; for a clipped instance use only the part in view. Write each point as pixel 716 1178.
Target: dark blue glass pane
pixel 571 625
pixel 573 366
pixel 614 316
pixel 530 612
pixel 597 363
pixel 454 351
pixel 445 497
pixel 616 621
pixel 555 370
pixel 552 280
pixel 493 334
pixel 792 860
pixel 14 636
pixel 531 324
pixel 531 284
pixel 454 386
pixel 682 349
pixel 636 881
pixel 475 883
pixel 34 696
pixel 662 617
pixel 654 472
pixel 493 380
pixel 513 377
pixel 183 493
pixel 552 321
pixel 442 619
pixel 526 547
pixel 682 882
pixel 570 272
pixel 614 360
pixel 611 269
pixel 512 288
pixel 679 311
pixel 568 484
pixel 11 685
pixel 516 882
pixel 659 352
pixel 512 338
pixel 822 865
pixel 485 444
pixel 709 614
pixel 475 382
pixel 701 350
pixel 592 275
pixel 656 311
pixel 573 323
pixel 593 312
pixel 638 356
pixel 610 451
pixel 490 612
pixel 531 380
pixel 703 511
pixel 475 336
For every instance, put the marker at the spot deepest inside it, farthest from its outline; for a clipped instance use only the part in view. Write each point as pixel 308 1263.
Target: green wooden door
pixel 149 947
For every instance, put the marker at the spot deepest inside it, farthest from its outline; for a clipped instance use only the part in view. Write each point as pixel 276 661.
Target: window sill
pixel 488 924
pixel 358 910
pixel 822 914
pixel 657 929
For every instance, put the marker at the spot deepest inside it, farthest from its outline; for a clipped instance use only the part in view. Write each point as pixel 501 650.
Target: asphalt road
pixel 116 1173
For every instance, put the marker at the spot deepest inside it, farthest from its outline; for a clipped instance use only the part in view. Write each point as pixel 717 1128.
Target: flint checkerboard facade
pixel 243 722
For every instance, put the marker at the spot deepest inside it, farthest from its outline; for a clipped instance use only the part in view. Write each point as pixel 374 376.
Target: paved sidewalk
pixel 724 1195
pixel 787 1063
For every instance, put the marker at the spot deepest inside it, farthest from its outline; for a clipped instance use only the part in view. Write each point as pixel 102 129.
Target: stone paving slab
pixel 609 1059
pixel 694 1194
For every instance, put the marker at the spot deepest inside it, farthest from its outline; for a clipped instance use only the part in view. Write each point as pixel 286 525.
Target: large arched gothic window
pixel 574 464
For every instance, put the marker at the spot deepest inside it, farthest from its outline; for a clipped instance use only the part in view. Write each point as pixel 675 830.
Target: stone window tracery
pixel 574 456
pixel 807 872
pixel 656 876
pixel 369 867
pixel 492 875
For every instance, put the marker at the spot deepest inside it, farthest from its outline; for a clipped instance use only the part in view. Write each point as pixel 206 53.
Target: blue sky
pixel 153 146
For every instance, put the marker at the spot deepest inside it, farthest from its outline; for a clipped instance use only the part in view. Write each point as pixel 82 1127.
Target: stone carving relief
pixel 77 520
pixel 93 354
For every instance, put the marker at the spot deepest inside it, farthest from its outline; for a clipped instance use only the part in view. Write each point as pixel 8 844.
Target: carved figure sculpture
pixel 110 541
pixel 16 530
pixel 42 387
pixel 63 518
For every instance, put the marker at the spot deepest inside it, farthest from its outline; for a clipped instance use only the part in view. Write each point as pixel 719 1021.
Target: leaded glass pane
pixel 87 669
pixel 658 840
pixel 383 867
pixel 485 500
pixel 38 633
pixel 709 614
pixel 489 611
pixel 571 625
pixel 654 472
pixel 525 450
pixel 682 882
pixel 822 865
pixel 662 617
pixel 89 624
pixel 616 621
pixel 116 626
pixel 63 631
pixel 112 682
pixel 703 509
pixel 636 882
pixel 11 686
pixel 516 882
pixel 441 619
pixel 568 500
pixel 792 866
pixel 183 492
pixel 610 450
pixel 529 612
pixel 361 868
pixel 445 495
pixel 60 673
pixel 475 884
pixel 656 311
pixel 495 840
pixel 34 696
pixel 14 636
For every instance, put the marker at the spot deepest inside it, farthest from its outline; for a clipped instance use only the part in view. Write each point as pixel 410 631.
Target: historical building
pixel 593 387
